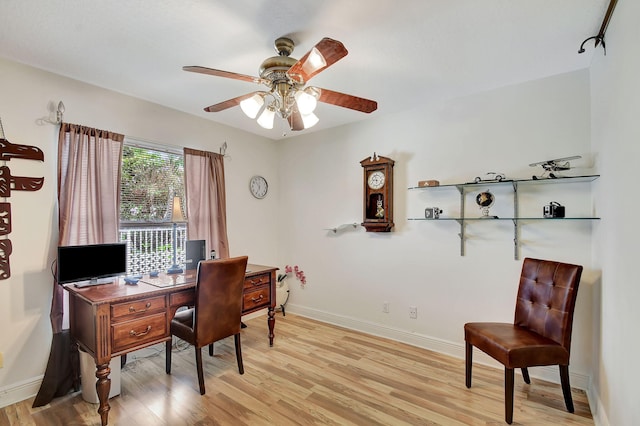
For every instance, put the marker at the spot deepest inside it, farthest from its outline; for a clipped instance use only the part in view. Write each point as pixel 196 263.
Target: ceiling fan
pixel 285 78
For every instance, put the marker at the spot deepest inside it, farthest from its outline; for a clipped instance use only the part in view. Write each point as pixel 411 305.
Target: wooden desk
pixel 114 319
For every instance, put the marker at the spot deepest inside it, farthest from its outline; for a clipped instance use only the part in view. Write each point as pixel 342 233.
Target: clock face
pixel 376 180
pixel 258 186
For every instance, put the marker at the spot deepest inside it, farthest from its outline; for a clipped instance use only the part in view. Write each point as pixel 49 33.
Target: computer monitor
pixel 91 264
pixel 195 252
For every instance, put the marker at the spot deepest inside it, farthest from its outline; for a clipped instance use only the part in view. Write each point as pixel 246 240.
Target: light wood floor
pixel 314 374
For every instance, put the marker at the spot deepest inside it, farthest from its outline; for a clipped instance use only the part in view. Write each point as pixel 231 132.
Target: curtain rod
pixel 603 28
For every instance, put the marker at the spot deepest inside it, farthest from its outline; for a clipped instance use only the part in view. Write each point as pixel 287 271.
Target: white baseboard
pixel 597 410
pixel 20 391
pixel 551 374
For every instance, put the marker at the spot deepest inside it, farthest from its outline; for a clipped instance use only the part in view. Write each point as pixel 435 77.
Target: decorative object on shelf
pixel 432 213
pixel 553 210
pixel 551 166
pixel 176 217
pixel 424 183
pixel 378 193
pixel 8 183
pixel 490 177
pixel 258 187
pixel 485 200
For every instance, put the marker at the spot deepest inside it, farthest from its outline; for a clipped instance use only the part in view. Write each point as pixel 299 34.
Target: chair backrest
pixel 547 298
pixel 218 307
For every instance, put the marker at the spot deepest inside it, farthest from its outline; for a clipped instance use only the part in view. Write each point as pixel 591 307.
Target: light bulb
pixel 306 102
pixel 251 106
pixel 309 120
pixel 266 118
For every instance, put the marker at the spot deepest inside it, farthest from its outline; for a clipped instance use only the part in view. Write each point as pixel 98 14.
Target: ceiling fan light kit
pixel 251 106
pixel 286 78
pixel 266 118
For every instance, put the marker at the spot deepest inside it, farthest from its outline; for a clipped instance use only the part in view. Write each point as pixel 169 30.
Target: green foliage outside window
pixel 150 179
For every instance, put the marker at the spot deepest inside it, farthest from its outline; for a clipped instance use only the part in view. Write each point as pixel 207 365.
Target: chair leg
pixel 167 357
pixel 467 363
pixel 566 387
pixel 211 349
pixel 236 337
pixel 199 367
pixel 508 395
pixel 525 375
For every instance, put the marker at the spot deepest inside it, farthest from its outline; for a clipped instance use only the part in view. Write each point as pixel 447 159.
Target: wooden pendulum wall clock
pixel 378 193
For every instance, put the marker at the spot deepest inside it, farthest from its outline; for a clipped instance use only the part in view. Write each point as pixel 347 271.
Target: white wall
pixel 25 298
pixel 350 274
pixel 316 183
pixel 616 133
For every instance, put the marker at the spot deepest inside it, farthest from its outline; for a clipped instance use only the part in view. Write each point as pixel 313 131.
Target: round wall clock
pixel 258 187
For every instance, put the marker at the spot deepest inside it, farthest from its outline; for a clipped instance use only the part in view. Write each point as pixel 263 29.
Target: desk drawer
pixel 139 331
pixel 137 307
pixel 184 298
pixel 256 299
pixel 256 281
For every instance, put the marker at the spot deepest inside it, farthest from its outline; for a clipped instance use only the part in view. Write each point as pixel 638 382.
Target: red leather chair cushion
pixel 515 346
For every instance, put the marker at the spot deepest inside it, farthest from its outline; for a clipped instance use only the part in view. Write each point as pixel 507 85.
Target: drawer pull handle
pixel 255 282
pixel 142 333
pixel 257 299
pixel 146 308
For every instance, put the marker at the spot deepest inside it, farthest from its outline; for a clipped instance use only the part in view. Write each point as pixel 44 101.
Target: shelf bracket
pixel 516 225
pixel 461 221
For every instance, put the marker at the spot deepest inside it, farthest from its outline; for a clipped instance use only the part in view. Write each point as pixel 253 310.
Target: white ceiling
pixel 401 53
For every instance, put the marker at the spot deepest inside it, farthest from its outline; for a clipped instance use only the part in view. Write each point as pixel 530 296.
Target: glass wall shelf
pixel 462 188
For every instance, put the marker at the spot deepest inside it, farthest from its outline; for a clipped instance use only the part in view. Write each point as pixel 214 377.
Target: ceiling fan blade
pixel 295 121
pixel 229 103
pixel 346 101
pixel 324 54
pixel 226 74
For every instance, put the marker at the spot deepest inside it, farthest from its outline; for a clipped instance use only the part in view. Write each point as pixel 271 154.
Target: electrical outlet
pixel 1 360
pixel 385 307
pixel 413 312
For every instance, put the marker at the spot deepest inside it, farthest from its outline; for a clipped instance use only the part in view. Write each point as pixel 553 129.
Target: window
pixel 151 177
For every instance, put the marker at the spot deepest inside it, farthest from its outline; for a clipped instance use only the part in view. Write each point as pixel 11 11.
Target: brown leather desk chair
pixel 541 332
pixel 217 311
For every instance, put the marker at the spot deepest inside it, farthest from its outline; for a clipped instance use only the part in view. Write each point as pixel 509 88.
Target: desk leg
pixel 271 322
pixel 103 386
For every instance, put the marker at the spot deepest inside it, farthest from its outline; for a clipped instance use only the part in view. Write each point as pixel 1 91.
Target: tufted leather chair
pixel 541 332
pixel 217 311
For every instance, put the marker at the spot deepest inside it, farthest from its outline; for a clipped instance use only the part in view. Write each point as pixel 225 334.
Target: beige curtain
pixel 206 199
pixel 89 213
pixel 88 192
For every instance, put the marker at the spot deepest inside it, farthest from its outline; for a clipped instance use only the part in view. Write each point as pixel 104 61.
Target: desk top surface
pixel 118 290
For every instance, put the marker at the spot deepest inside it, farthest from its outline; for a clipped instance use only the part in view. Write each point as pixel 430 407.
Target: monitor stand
pixel 95 281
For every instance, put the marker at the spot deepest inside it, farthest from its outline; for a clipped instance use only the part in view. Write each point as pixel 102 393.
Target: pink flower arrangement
pixel 299 273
